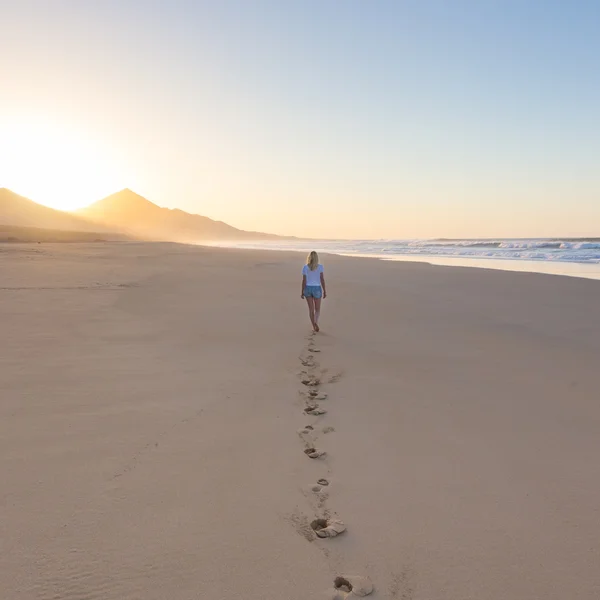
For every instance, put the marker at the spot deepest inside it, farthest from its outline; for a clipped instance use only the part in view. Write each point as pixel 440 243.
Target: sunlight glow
pixel 55 166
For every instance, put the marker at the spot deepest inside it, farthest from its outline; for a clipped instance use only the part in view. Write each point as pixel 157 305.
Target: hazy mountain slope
pixel 132 213
pixel 19 211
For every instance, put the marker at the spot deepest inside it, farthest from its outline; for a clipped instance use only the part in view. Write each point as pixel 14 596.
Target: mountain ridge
pixel 133 214
pixel 19 211
pixel 124 213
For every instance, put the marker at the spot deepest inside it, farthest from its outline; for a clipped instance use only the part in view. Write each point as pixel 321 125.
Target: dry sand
pixel 150 402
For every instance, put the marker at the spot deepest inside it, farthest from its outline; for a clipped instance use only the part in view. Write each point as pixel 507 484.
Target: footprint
pixel 322 482
pixel 323 497
pixel 305 430
pixel 311 382
pixel 314 453
pixel 336 378
pixel 308 429
pixel 342 584
pixel 353 585
pixel 315 412
pixel 326 528
pixel 328 429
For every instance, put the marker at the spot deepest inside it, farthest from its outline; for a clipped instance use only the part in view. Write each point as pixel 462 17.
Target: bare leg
pixel 311 309
pixel 317 313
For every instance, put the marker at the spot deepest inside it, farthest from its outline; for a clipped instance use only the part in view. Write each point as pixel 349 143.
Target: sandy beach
pixel 152 402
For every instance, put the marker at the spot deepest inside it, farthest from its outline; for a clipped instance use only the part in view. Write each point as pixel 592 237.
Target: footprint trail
pixel 326 524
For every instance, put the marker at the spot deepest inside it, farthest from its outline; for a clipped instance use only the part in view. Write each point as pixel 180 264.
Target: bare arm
pixel 323 285
pixel 303 286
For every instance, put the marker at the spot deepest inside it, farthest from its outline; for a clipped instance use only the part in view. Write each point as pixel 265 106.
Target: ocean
pixel 567 256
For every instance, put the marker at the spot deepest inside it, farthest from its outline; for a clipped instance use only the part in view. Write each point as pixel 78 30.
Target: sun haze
pixel 53 165
pixel 353 119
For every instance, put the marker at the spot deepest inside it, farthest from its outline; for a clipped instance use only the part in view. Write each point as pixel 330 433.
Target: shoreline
pixel 560 268
pixel 153 427
pixel 563 268
pixel 580 270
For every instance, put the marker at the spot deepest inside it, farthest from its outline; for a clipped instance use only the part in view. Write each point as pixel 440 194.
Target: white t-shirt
pixel 312 277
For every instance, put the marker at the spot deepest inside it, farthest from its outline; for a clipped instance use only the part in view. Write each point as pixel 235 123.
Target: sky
pixel 347 119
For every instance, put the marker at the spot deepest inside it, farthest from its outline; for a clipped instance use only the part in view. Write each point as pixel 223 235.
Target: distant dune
pixel 131 213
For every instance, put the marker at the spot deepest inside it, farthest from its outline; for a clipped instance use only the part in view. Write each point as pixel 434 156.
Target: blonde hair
pixel 312 260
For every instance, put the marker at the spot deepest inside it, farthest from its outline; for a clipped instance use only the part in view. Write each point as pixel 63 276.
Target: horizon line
pixel 332 239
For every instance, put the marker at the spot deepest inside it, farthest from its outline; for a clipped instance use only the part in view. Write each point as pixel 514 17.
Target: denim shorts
pixel 313 291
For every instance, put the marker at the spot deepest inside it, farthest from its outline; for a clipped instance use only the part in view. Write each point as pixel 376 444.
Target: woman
pixel 313 287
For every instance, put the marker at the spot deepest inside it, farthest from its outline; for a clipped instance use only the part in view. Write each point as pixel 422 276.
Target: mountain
pixel 114 218
pixel 131 213
pixel 18 211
